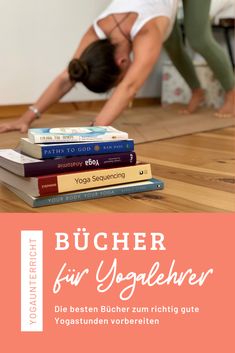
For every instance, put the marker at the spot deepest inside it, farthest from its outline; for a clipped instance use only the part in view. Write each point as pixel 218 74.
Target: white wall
pixel 37 40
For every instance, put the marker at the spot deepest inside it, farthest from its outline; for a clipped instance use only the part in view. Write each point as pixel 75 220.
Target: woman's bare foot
pixel 197 98
pixel 228 108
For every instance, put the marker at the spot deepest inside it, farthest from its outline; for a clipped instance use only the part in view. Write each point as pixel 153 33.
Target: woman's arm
pixel 56 90
pixel 146 49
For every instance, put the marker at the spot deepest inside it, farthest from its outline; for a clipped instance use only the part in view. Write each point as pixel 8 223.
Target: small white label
pixel 31 280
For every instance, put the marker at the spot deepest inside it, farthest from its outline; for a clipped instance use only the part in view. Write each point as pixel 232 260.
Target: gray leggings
pixel 199 35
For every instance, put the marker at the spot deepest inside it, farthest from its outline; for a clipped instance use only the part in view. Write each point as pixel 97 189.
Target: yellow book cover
pixel 103 177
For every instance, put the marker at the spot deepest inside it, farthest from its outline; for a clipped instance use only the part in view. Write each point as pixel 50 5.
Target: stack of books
pixel 59 165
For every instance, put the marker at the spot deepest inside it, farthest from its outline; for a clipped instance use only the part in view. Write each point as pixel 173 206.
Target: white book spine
pixel 41 138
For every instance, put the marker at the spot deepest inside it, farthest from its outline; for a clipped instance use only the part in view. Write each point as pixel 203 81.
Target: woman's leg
pixel 182 61
pixel 199 34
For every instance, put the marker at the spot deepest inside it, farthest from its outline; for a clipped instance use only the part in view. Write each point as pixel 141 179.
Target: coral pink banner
pixel 117 283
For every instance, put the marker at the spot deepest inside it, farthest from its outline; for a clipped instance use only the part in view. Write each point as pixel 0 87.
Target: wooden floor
pixel 198 171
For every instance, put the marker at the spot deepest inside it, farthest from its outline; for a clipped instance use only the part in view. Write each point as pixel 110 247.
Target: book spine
pixel 48 185
pixel 94 194
pixel 70 164
pixel 96 178
pixel 44 138
pixel 87 148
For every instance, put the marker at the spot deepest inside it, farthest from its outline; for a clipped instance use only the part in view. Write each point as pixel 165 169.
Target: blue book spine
pixel 86 148
pixel 153 184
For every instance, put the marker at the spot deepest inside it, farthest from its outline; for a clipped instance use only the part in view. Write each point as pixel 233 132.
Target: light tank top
pixel 146 10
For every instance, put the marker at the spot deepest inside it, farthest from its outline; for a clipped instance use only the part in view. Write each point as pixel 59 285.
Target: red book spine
pixel 48 185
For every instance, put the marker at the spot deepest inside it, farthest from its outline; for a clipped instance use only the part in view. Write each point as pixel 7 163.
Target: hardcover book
pixel 76 134
pixel 44 151
pixel 23 165
pixel 54 184
pixel 124 189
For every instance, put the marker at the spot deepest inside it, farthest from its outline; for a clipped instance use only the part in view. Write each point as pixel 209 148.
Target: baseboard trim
pixel 13 111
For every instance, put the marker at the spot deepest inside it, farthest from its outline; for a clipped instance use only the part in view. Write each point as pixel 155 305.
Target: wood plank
pixel 209 144
pixel 208 180
pixel 222 200
pixel 193 156
pixel 189 167
pixel 197 177
pixel 216 136
pixel 171 203
pixel 229 131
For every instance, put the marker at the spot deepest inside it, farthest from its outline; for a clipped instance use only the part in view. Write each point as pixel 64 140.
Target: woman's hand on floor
pixel 16 125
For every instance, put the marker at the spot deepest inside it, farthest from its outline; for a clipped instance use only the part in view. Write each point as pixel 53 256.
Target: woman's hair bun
pixel 78 70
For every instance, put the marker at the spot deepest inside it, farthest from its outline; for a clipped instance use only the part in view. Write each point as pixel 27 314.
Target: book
pixel 125 189
pixel 44 151
pixel 59 183
pixel 23 165
pixel 76 134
